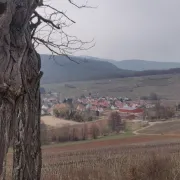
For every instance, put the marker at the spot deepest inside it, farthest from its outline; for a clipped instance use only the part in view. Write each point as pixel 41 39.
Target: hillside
pixel 61 69
pixel 156 72
pixel 141 65
pixel 171 127
pixel 166 86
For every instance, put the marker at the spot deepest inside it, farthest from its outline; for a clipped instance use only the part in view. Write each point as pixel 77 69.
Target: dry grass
pixel 163 128
pixel 76 131
pixel 56 122
pixel 137 162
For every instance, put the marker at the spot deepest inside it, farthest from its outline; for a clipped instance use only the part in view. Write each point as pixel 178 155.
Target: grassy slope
pixel 166 86
pixel 118 136
pixel 112 137
pixel 163 128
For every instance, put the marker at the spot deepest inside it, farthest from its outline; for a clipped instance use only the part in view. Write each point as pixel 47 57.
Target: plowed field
pixel 111 143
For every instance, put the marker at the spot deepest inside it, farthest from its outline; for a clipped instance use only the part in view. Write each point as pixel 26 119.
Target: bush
pixel 64 134
pixel 44 136
pixel 84 132
pixel 90 118
pixel 54 138
pixel 170 112
pixel 115 122
pixel 78 117
pixel 64 112
pixel 75 134
pixel 84 117
pixel 163 112
pixel 61 111
pixel 154 167
pixel 144 98
pixel 153 97
pixel 106 131
pixel 56 113
pixel 95 131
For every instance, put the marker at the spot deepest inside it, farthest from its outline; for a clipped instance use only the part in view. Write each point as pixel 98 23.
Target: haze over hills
pixel 140 65
pixel 61 69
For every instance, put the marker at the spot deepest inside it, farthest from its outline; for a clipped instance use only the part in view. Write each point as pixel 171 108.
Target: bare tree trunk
pixel 6 116
pixel 19 91
pixel 20 75
pixel 27 152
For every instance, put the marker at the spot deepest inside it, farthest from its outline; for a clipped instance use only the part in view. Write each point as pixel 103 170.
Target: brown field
pixel 55 132
pixel 56 122
pixel 133 158
pixel 116 162
pixel 110 143
pixel 163 128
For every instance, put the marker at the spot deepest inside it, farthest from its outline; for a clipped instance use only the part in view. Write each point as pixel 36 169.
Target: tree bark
pixel 19 91
pixel 27 152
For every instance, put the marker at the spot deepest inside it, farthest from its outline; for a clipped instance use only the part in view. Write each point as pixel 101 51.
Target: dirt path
pixel 137 132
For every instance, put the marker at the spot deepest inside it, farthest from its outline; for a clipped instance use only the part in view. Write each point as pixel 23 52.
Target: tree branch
pixel 78 6
pixel 60 12
pixel 46 20
pixel 50 31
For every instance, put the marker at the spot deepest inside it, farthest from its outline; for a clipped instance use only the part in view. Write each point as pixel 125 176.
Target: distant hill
pixel 141 65
pixel 156 72
pixel 61 69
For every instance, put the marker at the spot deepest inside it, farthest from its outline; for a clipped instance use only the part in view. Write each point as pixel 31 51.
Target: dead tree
pixel 22 29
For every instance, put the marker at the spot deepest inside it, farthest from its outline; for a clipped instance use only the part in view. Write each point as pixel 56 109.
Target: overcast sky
pixel 127 29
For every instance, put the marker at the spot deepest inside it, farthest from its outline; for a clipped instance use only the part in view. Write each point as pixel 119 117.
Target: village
pixel 128 109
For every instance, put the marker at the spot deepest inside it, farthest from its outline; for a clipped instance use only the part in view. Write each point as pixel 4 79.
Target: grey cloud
pixel 128 29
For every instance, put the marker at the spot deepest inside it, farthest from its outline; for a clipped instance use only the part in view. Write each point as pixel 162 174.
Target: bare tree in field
pixel 22 29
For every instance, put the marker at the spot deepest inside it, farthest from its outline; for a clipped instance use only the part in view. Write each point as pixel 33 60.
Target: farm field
pixel 121 141
pixel 167 86
pixel 118 159
pixel 166 128
pixel 56 122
